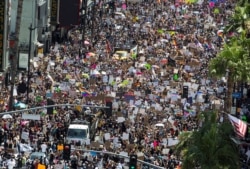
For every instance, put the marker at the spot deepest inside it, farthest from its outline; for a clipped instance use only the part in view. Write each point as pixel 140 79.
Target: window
pixel 77 133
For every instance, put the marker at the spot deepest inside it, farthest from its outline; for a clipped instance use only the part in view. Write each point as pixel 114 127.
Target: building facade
pixel 35 13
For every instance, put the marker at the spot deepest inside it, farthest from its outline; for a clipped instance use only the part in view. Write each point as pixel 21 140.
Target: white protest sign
pixel 120 119
pixel 25 135
pixel 87 142
pixel 72 81
pixel 59 166
pixel 125 136
pixel 165 151
pixel 31 116
pixel 172 142
pixel 107 136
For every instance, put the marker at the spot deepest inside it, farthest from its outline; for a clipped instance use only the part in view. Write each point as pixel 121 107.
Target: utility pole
pixel 93 23
pixel 14 52
pixel 29 56
pixel 84 17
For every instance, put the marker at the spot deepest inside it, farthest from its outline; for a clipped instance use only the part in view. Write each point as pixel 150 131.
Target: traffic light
pixel 66 151
pixel 132 161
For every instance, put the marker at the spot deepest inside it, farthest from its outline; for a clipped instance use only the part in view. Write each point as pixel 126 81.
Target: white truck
pixel 78 133
pixel 81 131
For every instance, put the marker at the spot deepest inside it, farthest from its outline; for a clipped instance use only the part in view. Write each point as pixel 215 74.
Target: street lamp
pixel 83 19
pixel 29 56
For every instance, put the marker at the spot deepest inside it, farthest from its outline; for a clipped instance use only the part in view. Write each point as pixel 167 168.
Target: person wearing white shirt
pixel 11 163
pixel 44 147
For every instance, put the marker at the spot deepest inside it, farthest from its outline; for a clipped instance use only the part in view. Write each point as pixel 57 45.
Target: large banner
pixel 2 12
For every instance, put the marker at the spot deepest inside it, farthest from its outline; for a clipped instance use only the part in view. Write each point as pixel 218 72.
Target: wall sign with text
pixel 54 12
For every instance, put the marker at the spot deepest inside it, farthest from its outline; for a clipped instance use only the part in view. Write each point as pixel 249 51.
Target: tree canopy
pixel 210 146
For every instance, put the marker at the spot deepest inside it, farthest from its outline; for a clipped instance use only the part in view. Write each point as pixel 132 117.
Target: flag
pixel 240 127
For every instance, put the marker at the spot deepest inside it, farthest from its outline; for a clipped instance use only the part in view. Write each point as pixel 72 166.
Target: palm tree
pixel 234 61
pixel 14 51
pixel 240 19
pixel 210 146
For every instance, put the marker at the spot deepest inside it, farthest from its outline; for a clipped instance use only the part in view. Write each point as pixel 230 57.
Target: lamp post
pixel 29 56
pixel 84 17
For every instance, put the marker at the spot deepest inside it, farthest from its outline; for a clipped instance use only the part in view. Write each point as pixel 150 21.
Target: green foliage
pixel 234 58
pixel 240 19
pixel 210 146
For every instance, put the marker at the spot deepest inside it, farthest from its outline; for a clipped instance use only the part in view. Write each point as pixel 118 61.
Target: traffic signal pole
pixel 72 149
pixel 111 153
pixel 56 105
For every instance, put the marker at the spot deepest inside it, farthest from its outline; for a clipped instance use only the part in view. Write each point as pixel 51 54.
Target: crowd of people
pixel 157 89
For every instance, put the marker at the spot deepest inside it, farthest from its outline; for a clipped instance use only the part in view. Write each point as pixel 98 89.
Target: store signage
pixel 54 12
pixel 2 11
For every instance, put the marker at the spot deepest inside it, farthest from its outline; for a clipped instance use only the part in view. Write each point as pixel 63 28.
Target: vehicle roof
pixel 82 122
pixel 119 13
pixel 78 126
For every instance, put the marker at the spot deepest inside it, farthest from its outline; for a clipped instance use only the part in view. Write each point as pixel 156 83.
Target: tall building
pixel 35 13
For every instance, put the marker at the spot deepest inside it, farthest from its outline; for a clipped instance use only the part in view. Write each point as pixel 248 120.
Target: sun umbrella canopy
pixel 90 54
pixel 86 42
pixel 85 75
pixel 20 105
pixel 7 116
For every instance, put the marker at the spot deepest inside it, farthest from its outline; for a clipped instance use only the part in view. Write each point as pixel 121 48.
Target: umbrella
pixel 160 31
pixel 216 11
pixel 23 123
pixel 164 61
pixel 85 75
pixel 120 119
pixel 7 116
pixel 103 73
pixel 220 32
pixel 20 105
pixel 155 66
pixel 124 83
pixel 147 66
pixel 164 40
pixel 90 54
pixel 86 42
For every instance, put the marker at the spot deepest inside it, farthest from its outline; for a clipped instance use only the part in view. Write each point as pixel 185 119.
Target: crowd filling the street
pixel 137 80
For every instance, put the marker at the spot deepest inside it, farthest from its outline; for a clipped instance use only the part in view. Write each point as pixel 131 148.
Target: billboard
pixel 2 12
pixel 69 12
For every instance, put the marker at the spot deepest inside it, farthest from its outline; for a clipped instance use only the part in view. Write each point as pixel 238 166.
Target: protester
pixel 157 89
